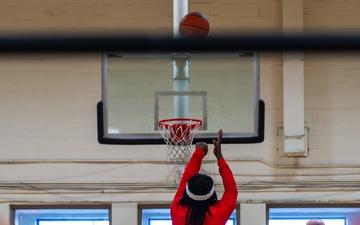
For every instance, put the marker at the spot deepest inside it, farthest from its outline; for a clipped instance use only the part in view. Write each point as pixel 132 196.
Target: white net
pixel 178 134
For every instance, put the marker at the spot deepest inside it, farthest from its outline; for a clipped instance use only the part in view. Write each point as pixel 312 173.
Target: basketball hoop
pixel 178 134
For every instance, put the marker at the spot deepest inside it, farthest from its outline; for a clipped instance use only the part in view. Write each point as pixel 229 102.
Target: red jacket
pixel 222 209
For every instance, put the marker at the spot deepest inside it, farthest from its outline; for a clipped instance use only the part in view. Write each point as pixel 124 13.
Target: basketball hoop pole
pixel 181 79
pixel 181 82
pixel 180 9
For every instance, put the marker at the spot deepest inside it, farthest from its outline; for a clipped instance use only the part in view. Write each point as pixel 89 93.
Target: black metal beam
pixel 146 43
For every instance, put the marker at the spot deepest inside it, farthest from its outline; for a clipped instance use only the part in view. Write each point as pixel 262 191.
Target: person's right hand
pixel 217 145
pixel 202 146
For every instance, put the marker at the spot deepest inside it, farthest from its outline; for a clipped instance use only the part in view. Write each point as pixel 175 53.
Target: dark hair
pixel 199 184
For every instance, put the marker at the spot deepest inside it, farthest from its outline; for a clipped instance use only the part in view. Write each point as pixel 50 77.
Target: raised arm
pixel 228 200
pixel 217 145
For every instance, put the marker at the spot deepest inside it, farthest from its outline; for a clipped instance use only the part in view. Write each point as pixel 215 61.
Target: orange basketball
pixel 194 24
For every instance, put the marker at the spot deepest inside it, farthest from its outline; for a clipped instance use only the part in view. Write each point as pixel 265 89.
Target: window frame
pixel 15 207
pixel 167 206
pixel 325 211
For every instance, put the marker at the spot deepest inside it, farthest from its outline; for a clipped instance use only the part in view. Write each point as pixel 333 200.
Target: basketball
pixel 194 24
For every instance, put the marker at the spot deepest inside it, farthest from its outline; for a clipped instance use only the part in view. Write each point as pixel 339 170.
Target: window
pixel 302 221
pixel 334 214
pixel 231 221
pixel 72 222
pixel 160 215
pixel 56 215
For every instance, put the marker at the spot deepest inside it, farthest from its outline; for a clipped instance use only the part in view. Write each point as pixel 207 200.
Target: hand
pixel 217 145
pixel 202 146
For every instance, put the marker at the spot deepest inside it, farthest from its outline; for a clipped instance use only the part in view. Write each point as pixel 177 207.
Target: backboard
pixel 139 89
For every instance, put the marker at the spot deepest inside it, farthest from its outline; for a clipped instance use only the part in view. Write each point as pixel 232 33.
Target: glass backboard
pixel 139 89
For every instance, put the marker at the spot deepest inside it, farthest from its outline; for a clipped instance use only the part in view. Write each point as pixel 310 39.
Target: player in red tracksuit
pixel 195 202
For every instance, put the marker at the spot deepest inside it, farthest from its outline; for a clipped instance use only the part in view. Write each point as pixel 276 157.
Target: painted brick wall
pixel 137 16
